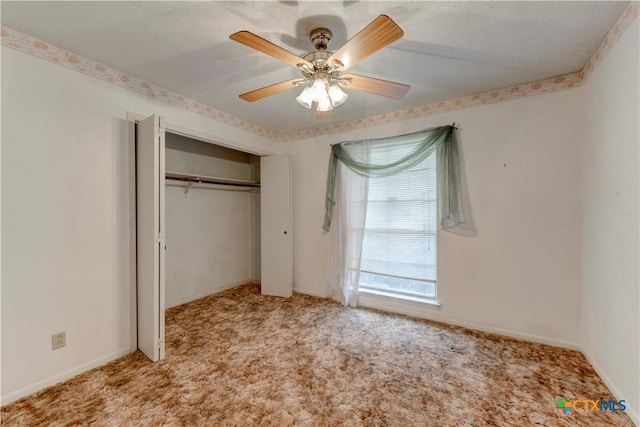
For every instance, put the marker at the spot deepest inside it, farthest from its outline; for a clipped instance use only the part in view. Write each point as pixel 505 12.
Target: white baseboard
pixel 425 311
pixel 428 311
pixel 312 293
pixel 366 301
pixel 211 292
pixel 612 387
pixel 40 385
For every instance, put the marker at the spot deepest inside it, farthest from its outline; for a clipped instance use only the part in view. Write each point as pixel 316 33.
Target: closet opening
pixel 209 217
pixel 212 218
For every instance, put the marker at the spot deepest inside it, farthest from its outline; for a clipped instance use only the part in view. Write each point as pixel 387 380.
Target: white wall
pixel 519 274
pixel 610 247
pixel 210 229
pixel 198 157
pixel 208 241
pixel 68 219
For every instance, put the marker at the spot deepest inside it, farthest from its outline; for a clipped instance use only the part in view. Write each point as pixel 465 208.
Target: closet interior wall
pixel 212 231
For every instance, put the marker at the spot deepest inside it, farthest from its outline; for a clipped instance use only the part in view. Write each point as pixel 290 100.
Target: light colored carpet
pixel 241 359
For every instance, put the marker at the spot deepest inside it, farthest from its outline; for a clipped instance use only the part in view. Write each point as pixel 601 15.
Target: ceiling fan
pixel 322 71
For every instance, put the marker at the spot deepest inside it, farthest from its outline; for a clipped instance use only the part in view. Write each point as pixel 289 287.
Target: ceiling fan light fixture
pixel 306 98
pixel 326 95
pixel 319 89
pixel 324 103
pixel 337 95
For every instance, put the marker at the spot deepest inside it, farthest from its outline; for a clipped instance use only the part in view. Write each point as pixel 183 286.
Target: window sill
pixel 393 297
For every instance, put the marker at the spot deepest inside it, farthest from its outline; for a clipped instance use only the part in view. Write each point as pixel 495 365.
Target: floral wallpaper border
pixel 552 84
pixel 629 15
pixel 43 50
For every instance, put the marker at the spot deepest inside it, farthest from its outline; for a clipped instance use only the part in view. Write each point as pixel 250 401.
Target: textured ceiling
pixel 449 49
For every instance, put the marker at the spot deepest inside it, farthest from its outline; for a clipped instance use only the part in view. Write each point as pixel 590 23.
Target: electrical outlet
pixel 58 340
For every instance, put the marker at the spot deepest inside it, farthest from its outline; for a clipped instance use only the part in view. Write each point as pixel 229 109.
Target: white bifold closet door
pixel 275 201
pixel 150 173
pixel 275 226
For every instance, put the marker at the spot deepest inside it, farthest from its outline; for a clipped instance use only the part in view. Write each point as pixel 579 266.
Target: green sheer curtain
pixel 450 199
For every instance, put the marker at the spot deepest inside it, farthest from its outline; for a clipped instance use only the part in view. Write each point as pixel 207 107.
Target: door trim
pixel 205 137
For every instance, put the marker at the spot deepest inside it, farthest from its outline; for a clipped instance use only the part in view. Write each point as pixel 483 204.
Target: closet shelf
pixel 202 179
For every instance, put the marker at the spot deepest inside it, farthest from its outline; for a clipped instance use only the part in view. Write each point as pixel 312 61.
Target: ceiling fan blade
pixel 265 46
pixel 381 32
pixel 254 95
pixel 376 86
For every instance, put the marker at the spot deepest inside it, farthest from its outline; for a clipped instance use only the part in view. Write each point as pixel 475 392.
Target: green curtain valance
pixel 423 144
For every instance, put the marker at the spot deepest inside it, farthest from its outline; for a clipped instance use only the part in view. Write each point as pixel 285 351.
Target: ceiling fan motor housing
pixel 318 59
pixel 320 38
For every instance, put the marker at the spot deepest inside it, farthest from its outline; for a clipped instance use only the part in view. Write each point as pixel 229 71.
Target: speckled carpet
pixel 242 359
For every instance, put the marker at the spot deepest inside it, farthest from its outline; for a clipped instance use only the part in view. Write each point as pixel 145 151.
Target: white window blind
pixel 399 246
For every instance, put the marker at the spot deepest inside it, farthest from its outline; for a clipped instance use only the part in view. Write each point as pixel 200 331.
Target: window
pixel 399 244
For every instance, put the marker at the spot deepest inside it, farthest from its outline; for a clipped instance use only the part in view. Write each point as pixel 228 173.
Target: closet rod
pixel 212 180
